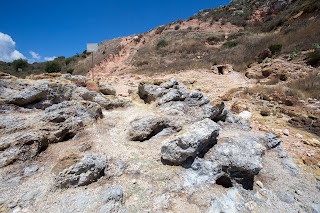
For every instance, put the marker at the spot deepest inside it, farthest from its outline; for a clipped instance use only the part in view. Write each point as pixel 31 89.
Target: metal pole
pixel 92 68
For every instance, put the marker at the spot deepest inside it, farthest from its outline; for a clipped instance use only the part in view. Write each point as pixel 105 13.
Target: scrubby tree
pixel 20 63
pixel 53 66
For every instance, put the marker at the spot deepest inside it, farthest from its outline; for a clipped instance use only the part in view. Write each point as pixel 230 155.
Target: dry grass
pixel 308 87
pixel 304 88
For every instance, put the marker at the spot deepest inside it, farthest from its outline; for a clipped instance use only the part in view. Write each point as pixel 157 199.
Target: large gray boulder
pixel 240 158
pixel 190 142
pixel 176 101
pixel 31 95
pixel 143 128
pixel 89 169
pixel 243 154
pixel 150 92
pixel 21 146
pixel 107 89
pixel 67 110
pixel 66 119
pixel 107 102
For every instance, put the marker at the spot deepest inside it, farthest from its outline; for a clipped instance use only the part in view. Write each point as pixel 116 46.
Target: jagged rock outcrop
pixel 240 158
pixel 44 91
pixel 46 109
pixel 174 100
pixel 89 169
pixel 190 142
pixel 236 158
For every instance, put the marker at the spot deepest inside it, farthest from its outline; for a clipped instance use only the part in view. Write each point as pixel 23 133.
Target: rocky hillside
pixel 238 34
pixel 169 124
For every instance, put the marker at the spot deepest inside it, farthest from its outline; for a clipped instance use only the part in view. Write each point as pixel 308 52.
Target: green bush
pixel 177 27
pixel 162 43
pixel 275 48
pixel 53 66
pixel 19 63
pixel 69 60
pixel 230 44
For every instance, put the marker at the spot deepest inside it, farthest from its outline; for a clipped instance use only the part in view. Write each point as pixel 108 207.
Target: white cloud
pixel 7 49
pixel 49 58
pixel 35 55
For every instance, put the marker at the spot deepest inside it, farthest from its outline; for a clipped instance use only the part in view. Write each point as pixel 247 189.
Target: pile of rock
pixel 46 109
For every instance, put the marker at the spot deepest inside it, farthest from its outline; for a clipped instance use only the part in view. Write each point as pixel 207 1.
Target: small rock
pixel 89 169
pixel 107 89
pixel 299 136
pixel 260 184
pixel 246 115
pixel 286 132
pixel 84 147
pixel 30 170
pixel 298 192
pixel 265 112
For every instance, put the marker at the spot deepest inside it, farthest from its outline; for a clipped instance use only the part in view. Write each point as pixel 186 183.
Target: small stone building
pixel 221 69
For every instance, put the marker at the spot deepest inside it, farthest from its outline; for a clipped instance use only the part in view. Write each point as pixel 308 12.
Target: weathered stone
pixel 112 194
pixel 202 172
pixel 172 95
pixel 170 84
pixel 30 95
pixel 63 111
pixel 240 158
pixel 196 98
pixel 89 169
pixel 244 154
pixel 149 92
pixel 286 132
pixel 107 89
pixel 21 146
pixel 143 128
pixel 190 142
pixel 215 113
pixel 272 140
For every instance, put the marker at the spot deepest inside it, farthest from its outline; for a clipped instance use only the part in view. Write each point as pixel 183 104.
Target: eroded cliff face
pixel 165 147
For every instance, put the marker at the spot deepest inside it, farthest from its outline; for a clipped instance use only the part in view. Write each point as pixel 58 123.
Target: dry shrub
pixel 307 87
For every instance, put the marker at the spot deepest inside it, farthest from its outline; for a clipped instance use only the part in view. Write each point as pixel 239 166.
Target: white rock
pixel 286 132
pixel 260 184
pixel 245 115
pixel 299 136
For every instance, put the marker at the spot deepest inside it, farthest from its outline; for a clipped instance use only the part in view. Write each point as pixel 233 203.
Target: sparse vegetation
pixel 53 66
pixel 160 29
pixel 307 87
pixel 177 27
pixel 213 39
pixel 68 60
pixel 230 44
pixel 19 64
pixel 275 48
pixel 162 43
pixel 313 58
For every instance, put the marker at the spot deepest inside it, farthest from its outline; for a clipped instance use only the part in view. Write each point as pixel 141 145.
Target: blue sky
pixel 63 27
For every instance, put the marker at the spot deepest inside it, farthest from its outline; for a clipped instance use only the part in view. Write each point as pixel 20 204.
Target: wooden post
pixel 92 68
